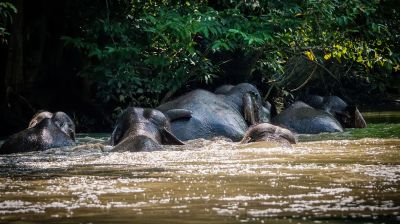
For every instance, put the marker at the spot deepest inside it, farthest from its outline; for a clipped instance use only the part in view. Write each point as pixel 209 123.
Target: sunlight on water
pixel 320 181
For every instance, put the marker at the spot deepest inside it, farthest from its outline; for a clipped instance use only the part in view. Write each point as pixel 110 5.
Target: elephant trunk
pixel 249 110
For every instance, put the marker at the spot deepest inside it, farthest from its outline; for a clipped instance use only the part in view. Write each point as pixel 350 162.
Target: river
pixel 350 177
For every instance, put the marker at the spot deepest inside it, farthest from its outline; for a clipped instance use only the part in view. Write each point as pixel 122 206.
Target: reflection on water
pixel 352 179
pixel 382 117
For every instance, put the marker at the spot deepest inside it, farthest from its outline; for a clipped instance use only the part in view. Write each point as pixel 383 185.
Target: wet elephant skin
pixel 213 115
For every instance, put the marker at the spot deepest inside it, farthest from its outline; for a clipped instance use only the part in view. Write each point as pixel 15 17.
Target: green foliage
pixel 142 51
pixel 6 12
pixel 355 34
pixel 138 60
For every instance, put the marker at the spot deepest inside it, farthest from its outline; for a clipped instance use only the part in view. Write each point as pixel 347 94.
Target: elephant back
pixel 304 119
pixel 212 115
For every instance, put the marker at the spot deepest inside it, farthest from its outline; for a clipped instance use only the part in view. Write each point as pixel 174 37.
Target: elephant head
pixel 65 123
pixel 249 98
pixel 269 132
pixel 144 129
pixel 46 130
pixel 60 119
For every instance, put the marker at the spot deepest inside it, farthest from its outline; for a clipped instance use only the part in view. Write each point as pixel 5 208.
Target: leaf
pixel 327 56
pixel 121 98
pixel 310 55
pixel 234 31
pixel 219 44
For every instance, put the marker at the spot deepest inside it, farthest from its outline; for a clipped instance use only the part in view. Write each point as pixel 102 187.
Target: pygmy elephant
pixel 144 129
pixel 349 116
pixel 228 114
pixel 270 133
pixel 46 130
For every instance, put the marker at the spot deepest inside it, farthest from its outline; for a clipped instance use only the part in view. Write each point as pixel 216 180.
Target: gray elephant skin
pixel 145 129
pixel 228 114
pixel 46 130
pixel 348 115
pixel 270 133
pixel 320 114
pixel 304 119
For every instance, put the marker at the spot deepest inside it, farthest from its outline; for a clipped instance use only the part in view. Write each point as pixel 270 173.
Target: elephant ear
pixel 249 109
pixel 351 117
pixel 116 135
pixel 358 119
pixel 177 114
pixel 169 139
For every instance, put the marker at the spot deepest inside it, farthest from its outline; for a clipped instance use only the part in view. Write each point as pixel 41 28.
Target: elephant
pixel 304 119
pixel 145 129
pixel 270 133
pixel 228 114
pixel 46 130
pixel 348 116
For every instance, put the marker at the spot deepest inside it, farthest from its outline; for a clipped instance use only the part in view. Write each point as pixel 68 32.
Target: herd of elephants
pixel 233 112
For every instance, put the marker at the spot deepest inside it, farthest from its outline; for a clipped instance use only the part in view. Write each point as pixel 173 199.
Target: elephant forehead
pixel 141 125
pixel 151 113
pixel 147 130
pixel 136 114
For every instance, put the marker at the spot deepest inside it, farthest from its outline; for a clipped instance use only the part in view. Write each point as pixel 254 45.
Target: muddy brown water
pixel 350 177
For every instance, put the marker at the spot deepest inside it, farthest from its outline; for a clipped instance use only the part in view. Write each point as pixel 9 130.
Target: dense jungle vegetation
pixel 93 58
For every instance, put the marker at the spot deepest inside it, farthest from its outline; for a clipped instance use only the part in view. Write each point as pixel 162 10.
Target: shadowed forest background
pixel 92 58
